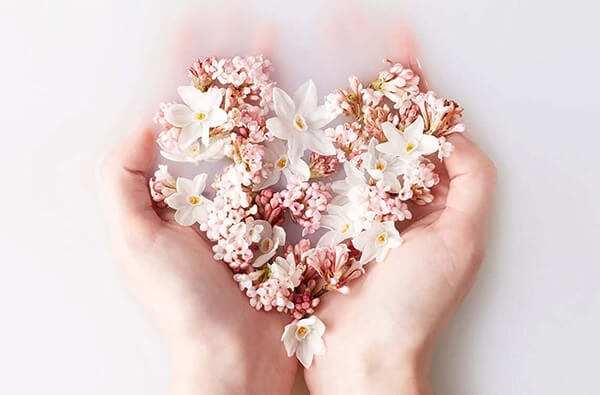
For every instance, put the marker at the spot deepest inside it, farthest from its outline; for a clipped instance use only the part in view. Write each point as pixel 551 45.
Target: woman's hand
pixel 218 342
pixel 380 336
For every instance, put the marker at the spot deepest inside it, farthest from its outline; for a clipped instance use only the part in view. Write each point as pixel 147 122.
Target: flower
pixel 376 242
pixel 286 271
pixel 294 168
pixel 384 167
pixel 300 121
pixel 342 224
pixel 190 205
pixel 196 152
pixel 352 189
pixel 162 185
pixel 270 240
pixel 409 143
pixel 199 113
pixel 305 338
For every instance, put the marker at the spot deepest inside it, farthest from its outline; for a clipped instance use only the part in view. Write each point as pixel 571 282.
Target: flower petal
pixel 179 115
pixel 283 104
pixel 217 117
pixel 428 144
pixel 289 338
pixel 277 128
pixel 193 132
pixel 177 201
pixel 306 98
pixel 387 148
pixel 279 235
pixel 264 258
pixel 320 117
pixel 415 130
pixel 299 168
pixel 201 212
pixel 185 216
pixel 316 344
pixel 185 186
pixel 330 238
pixel 317 141
pixel 304 354
pixel 200 101
pixel 199 184
pixel 271 179
pixel 391 132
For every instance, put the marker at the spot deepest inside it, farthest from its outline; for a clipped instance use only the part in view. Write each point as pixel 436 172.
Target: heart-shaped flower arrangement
pixel 232 110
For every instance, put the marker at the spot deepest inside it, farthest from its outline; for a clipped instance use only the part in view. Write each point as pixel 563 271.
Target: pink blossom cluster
pixel 306 201
pixel 230 220
pixel 247 80
pixel 386 206
pixel 243 221
pixel 162 185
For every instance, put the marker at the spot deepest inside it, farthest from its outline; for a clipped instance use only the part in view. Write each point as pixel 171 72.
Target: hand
pixel 217 341
pixel 380 336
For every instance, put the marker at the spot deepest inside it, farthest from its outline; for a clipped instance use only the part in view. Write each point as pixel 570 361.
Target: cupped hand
pixel 218 342
pixel 380 336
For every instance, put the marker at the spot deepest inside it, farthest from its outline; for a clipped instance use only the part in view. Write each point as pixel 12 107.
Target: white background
pixel 76 75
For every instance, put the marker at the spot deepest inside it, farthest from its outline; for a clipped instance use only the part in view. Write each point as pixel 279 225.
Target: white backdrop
pixel 76 75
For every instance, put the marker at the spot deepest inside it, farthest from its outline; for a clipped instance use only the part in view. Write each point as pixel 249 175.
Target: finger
pixel 264 40
pixel 403 46
pixel 126 192
pixel 472 185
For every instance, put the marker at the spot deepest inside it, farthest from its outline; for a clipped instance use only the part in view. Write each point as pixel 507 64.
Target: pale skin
pixel 379 338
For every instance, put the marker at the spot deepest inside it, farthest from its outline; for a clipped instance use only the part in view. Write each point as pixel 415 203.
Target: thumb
pixel 472 185
pixel 126 193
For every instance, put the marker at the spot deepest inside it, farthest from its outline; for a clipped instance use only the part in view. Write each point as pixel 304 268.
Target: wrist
pixel 232 368
pixel 370 369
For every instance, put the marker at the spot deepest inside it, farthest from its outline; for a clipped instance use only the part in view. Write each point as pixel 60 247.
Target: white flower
pixel 196 152
pixel 384 167
pixel 270 240
pixel 199 113
pixel 305 339
pixel 286 271
pixel 352 189
pixel 344 222
pixel 409 143
pixel 294 169
pixel 376 242
pixel 300 121
pixel 191 206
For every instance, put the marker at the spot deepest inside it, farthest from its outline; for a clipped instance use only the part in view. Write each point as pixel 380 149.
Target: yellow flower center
pixel 382 238
pixel 301 331
pixel 282 162
pixel 410 147
pixel 300 122
pixel 345 228
pixel 201 116
pixel 194 200
pixel 380 165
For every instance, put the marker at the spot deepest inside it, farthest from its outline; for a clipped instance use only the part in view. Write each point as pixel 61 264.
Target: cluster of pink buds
pixel 306 201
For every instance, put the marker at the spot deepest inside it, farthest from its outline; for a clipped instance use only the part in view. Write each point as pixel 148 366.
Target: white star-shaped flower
pixel 294 169
pixel 409 143
pixel 376 242
pixel 305 339
pixel 196 152
pixel 190 205
pixel 300 120
pixel 200 112
pixel 343 223
pixel 384 167
pixel 271 237
pixel 286 271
